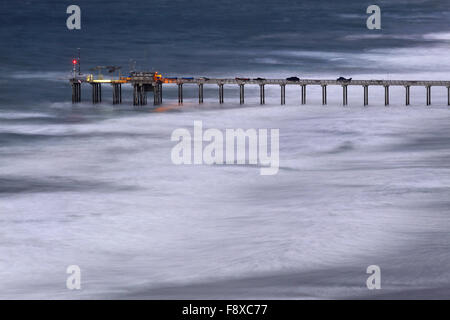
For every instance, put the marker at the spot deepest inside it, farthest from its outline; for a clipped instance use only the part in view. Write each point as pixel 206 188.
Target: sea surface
pixel 95 186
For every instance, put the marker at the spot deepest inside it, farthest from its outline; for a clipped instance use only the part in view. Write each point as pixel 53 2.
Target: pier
pixel 145 82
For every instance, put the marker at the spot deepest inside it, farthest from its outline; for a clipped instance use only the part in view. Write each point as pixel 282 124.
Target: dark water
pixel 95 186
pixel 204 38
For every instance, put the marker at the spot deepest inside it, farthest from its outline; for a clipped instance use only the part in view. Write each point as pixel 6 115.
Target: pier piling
pixel 303 93
pixel 180 93
pixel 386 95
pixel 283 94
pixel 155 95
pixel 241 93
pixel 262 95
pixel 324 94
pixel 200 93
pixel 117 93
pixel 96 93
pixel 344 95
pixel 448 96
pixel 366 95
pixel 76 92
pixel 139 95
pixel 408 95
pixel 143 95
pixel 428 95
pixel 220 93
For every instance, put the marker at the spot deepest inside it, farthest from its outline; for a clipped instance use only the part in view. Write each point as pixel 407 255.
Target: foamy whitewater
pixel 95 186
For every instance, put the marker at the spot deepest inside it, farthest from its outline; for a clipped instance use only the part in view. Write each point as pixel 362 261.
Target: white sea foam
pixel 108 199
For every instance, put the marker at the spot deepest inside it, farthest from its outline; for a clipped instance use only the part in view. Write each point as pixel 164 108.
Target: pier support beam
pixel 344 95
pixel 408 95
pixel 386 95
pixel 448 96
pixel 156 94
pixel 241 93
pixel 114 93
pixel 139 95
pixel 366 95
pixel 143 95
pixel 283 94
pixel 96 92
pixel 135 95
pixel 324 94
pixel 76 92
pixel 428 95
pixel 220 93
pixel 180 93
pixel 117 93
pixel 262 95
pixel 303 93
pixel 200 93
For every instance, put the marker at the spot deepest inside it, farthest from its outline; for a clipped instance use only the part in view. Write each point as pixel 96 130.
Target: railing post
pixel 283 94
pixel 428 95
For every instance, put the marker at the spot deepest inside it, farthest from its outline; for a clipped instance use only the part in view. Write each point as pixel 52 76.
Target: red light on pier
pixel 74 61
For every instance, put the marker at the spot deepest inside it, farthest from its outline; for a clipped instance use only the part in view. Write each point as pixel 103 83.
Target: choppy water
pixel 95 186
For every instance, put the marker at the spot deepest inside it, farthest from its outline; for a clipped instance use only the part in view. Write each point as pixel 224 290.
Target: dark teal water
pixel 95 185
pixel 184 38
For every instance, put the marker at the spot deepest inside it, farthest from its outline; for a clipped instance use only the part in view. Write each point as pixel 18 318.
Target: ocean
pixel 94 185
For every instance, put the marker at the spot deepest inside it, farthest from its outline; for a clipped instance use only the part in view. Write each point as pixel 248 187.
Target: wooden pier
pixel 144 82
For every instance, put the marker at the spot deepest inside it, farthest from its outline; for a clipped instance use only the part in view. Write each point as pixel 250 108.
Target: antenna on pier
pixel 132 65
pixel 113 69
pixel 79 64
pixel 99 70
